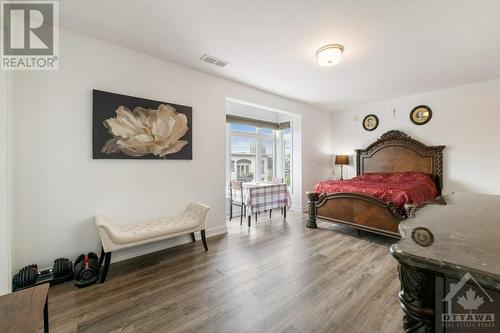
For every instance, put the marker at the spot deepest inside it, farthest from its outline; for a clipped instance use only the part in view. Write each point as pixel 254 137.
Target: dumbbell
pixel 62 270
pixel 86 268
pixel 26 277
pixel 62 267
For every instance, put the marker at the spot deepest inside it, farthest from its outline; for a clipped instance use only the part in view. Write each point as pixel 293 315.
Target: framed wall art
pixel 370 122
pixel 126 127
pixel 421 115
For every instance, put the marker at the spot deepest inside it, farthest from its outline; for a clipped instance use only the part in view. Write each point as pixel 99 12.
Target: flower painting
pixel 131 127
pixel 146 131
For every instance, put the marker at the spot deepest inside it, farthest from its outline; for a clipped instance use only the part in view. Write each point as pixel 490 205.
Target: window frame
pixel 291 156
pixel 278 153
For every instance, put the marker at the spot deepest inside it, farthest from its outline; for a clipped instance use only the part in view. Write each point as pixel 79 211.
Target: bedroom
pixel 65 162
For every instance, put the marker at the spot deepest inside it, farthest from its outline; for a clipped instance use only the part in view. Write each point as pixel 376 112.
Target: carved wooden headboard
pixel 395 151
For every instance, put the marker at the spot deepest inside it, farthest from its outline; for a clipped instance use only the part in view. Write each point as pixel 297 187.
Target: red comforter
pixel 400 188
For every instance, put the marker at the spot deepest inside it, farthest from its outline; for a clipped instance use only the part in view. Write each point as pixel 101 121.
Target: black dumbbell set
pixel 85 271
pixel 61 271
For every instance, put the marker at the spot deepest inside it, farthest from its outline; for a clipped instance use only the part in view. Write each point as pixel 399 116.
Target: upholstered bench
pixel 118 237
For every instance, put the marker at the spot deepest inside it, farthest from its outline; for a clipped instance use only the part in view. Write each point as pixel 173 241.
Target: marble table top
pixel 461 236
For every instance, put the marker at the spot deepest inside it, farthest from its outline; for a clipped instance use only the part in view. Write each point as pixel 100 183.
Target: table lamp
pixel 341 160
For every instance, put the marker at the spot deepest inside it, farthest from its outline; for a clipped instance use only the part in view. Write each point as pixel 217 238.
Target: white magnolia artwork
pixel 145 131
pixel 130 127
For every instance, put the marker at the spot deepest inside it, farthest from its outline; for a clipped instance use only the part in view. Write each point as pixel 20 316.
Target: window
pixel 243 156
pixel 259 154
pixel 266 131
pixel 287 156
pixel 243 128
pixel 267 159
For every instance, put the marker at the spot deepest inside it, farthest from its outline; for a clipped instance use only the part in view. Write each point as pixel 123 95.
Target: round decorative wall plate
pixel 421 115
pixel 370 122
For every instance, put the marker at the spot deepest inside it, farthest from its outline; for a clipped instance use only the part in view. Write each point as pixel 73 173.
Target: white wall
pixel 466 119
pixel 57 187
pixel 4 219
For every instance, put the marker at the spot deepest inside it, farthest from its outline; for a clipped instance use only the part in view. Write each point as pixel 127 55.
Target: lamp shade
pixel 341 159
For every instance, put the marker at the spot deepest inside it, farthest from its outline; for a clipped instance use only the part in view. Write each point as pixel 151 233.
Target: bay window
pixel 259 152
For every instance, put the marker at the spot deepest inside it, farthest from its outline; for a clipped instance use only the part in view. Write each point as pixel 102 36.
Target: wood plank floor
pixel 273 277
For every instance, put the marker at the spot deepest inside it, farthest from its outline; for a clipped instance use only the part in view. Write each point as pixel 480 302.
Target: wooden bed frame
pixel 393 152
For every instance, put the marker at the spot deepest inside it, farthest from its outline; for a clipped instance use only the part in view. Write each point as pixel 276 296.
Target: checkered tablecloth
pixel 264 196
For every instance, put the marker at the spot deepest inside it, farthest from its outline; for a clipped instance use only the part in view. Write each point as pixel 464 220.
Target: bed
pixel 395 174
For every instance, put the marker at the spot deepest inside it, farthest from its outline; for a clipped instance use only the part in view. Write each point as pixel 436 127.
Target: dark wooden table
pixel 449 266
pixel 22 310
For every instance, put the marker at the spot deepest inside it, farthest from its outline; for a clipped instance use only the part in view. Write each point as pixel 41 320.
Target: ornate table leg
pixel 312 198
pixel 417 299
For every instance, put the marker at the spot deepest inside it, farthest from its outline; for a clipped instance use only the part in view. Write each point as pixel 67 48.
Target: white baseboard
pixel 297 209
pixel 213 232
pixel 162 245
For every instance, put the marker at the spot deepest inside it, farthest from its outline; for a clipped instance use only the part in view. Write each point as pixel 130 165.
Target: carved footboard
pixel 355 210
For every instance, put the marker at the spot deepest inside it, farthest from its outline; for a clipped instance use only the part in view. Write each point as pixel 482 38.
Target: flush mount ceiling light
pixel 329 55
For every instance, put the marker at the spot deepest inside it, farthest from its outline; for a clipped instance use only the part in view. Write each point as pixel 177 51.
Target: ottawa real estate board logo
pixel 30 35
pixel 468 306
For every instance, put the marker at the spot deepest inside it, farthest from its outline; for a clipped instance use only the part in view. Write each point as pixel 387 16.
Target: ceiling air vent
pixel 214 61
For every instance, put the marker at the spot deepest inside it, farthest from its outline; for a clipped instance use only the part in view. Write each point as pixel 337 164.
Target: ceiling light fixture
pixel 329 55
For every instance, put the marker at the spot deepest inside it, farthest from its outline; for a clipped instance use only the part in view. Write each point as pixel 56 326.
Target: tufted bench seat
pixel 117 237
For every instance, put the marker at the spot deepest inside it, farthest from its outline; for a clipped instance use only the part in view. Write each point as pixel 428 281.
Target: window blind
pixel 257 123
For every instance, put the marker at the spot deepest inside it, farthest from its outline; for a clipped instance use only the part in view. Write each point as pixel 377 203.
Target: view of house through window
pixel 243 153
pixel 255 153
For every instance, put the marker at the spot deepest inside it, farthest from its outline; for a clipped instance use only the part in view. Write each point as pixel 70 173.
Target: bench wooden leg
pixel 107 262
pixel 192 237
pixel 101 257
pixel 204 239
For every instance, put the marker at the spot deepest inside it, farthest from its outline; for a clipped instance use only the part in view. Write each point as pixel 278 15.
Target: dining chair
pixel 236 199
